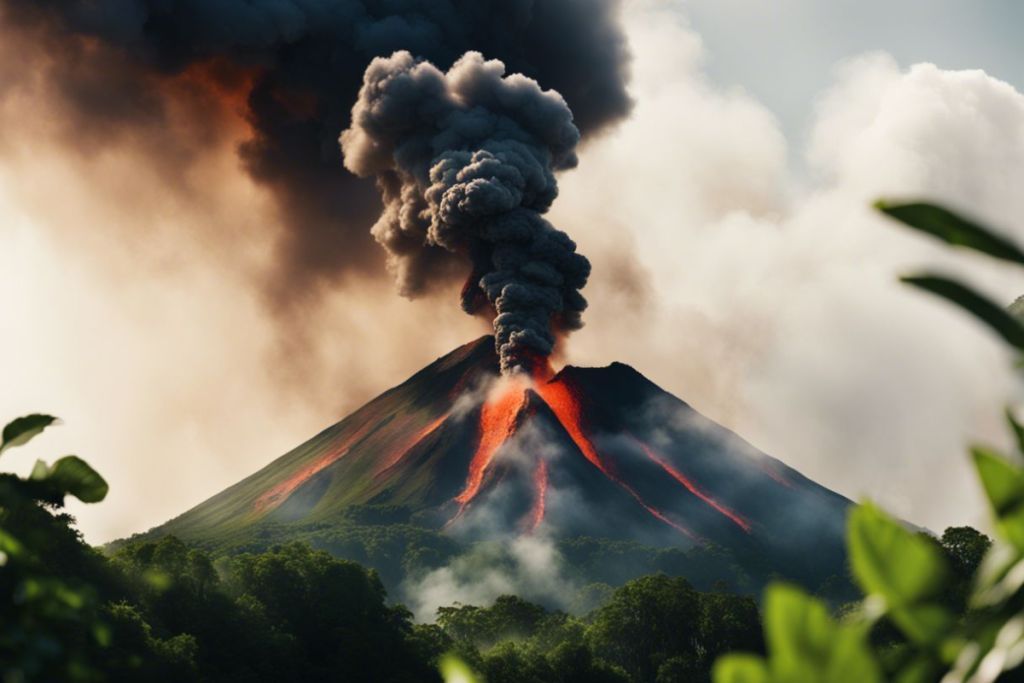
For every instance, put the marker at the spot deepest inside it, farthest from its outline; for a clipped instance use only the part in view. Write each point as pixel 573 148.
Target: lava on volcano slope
pixel 279 493
pixel 565 404
pixel 736 518
pixel 399 453
pixel 540 487
pixel 498 417
pixel 497 423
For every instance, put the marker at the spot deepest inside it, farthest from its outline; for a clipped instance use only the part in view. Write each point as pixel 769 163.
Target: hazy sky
pixel 783 52
pixel 735 264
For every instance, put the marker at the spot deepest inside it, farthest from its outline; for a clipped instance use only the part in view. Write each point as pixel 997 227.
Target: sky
pixel 736 263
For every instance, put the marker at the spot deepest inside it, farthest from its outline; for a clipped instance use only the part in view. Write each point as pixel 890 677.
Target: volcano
pixel 461 451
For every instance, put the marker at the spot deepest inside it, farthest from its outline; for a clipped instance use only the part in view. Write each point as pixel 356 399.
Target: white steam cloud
pixel 528 566
pixel 775 306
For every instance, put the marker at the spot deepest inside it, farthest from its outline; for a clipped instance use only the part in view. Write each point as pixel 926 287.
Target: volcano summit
pixel 461 453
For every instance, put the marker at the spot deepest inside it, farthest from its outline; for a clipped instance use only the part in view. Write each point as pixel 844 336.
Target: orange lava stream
pixel 692 488
pixel 540 482
pixel 777 476
pixel 279 493
pixel 657 513
pixel 566 408
pixel 497 420
pixel 419 436
pixel 564 404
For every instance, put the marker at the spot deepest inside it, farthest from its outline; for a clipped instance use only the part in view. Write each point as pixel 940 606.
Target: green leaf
pixel 1007 651
pixel 983 308
pixel 952 228
pixel 806 644
pixel 157 580
pixel 797 627
pixel 10 547
pixel 22 430
pixel 904 569
pixel 740 668
pixel 1000 575
pixel 73 475
pixel 454 670
pixel 1018 430
pixel 40 471
pixel 921 669
pixel 101 633
pixel 1004 485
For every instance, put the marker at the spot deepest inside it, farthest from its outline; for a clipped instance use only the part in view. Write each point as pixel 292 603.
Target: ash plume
pixel 295 67
pixel 465 161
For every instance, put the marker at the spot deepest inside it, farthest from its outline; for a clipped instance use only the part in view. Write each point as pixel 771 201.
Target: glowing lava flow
pixel 279 493
pixel 777 476
pixel 497 420
pixel 419 436
pixel 540 483
pixel 691 487
pixel 566 407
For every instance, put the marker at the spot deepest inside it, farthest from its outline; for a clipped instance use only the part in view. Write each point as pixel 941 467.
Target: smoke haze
pixel 191 316
pixel 290 70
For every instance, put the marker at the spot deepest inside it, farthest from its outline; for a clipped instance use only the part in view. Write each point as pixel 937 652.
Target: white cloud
pixel 774 304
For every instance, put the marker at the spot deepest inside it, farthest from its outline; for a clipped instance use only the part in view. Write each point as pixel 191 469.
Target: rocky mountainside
pixel 595 453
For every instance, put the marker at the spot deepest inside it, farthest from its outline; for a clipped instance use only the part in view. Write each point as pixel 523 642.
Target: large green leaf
pixel 989 312
pixel 22 430
pixel 798 628
pixel 806 644
pixel 740 668
pixel 1004 485
pixel 952 228
pixel 906 570
pixel 73 475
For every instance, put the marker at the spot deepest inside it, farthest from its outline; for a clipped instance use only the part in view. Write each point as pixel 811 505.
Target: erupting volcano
pixel 586 452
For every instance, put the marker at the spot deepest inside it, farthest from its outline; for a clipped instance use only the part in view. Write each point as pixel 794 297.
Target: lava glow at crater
pixel 497 423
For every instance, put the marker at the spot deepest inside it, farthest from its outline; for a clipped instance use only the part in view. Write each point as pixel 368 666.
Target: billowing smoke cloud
pixel 293 68
pixel 465 161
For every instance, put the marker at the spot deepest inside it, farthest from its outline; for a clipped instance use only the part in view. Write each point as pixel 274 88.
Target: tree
pixel 647 621
pixel 53 625
pixel 337 611
pixel 509 617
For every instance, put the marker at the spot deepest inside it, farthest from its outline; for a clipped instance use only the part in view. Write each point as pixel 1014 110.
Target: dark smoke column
pixel 465 160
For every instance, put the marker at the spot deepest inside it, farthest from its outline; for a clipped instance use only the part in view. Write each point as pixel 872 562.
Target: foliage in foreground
pixel 906 580
pixel 161 611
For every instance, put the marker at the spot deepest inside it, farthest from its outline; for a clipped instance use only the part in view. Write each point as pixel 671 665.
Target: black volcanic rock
pixel 601 453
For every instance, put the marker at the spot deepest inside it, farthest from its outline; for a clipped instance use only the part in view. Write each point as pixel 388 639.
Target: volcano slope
pixel 623 476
